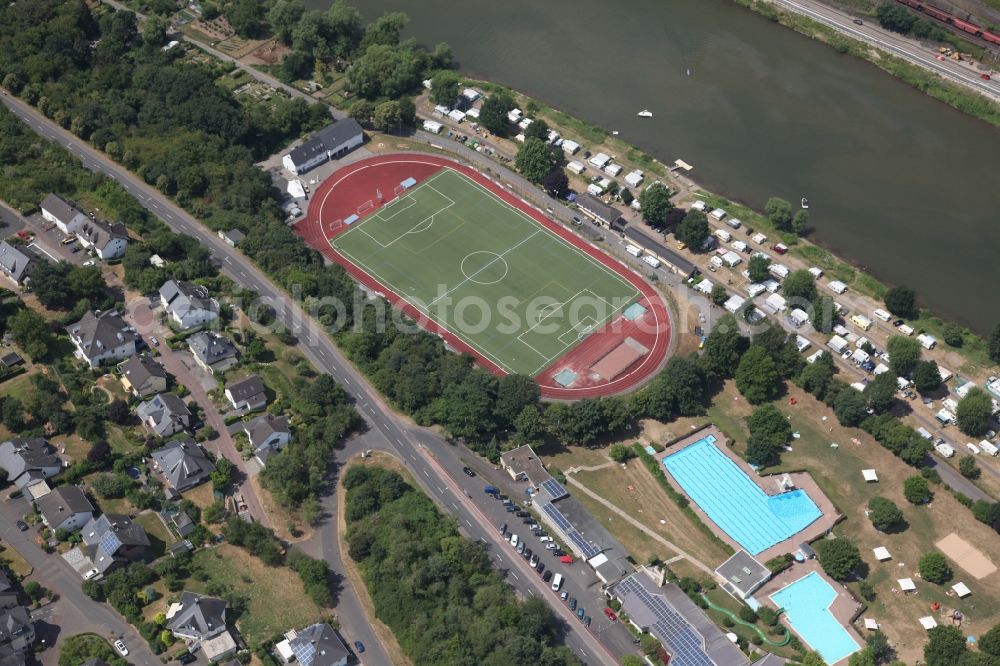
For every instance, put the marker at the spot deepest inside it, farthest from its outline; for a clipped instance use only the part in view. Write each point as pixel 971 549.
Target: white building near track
pixel 333 141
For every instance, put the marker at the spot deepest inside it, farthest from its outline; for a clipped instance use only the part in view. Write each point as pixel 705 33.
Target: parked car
pixel 154 342
pixel 563 596
pixel 187 658
pixel 468 472
pixel 858 22
pixel 522 514
pixel 359 646
pixel 21 525
pixel 533 561
pixel 503 528
pixel 120 646
pixel 520 548
pixel 90 574
pixel 526 554
pixel 551 546
pixel 610 614
pixel 572 603
pixel 586 621
pixel 580 613
pixel 547 576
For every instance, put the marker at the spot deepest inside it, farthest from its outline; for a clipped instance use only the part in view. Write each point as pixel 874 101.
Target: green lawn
pixel 493 276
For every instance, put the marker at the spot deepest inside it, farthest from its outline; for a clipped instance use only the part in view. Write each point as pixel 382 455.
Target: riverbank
pixel 954 95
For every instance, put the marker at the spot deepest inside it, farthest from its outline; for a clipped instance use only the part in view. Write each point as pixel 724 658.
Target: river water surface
pixel 898 182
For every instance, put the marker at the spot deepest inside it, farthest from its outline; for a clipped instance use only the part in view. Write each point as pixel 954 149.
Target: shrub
pixel 934 567
pixel 916 490
pixel 884 514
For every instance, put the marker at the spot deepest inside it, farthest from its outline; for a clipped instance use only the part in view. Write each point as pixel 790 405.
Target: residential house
pixel 214 353
pixel 187 304
pixel 113 540
pixel 164 414
pixel 268 434
pixel 183 524
pixel 108 241
pixel 17 262
pixel 316 645
pixel 331 142
pixel 10 360
pixel 247 394
pixel 102 336
pixel 233 237
pixel 142 376
pixel 64 214
pixel 8 593
pixel 184 464
pixel 65 507
pixel 17 634
pixel 28 461
pixel 197 617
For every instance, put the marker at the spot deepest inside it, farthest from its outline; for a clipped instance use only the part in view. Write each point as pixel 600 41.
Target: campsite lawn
pixel 496 278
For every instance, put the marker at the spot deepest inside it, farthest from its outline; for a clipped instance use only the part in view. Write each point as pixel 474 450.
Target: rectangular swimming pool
pixel 731 499
pixel 806 603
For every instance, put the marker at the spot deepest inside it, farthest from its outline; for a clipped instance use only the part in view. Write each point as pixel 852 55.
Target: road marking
pixel 425 473
pixel 440 491
pixel 514 575
pixel 467 522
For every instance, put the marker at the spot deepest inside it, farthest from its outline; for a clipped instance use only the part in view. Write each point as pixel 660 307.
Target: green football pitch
pixel 487 272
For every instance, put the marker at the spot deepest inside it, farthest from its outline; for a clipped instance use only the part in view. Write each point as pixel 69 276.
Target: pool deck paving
pixel 769 484
pixel 845 608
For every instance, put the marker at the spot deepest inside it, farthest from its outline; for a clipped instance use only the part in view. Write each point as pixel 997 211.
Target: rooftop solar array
pixel 304 652
pixel 684 643
pixel 585 547
pixel 555 489
pixel 110 543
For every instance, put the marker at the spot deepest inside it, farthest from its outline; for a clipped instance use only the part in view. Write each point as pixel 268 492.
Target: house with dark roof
pixel 188 304
pixel 184 464
pixel 65 507
pixel 100 337
pixel 106 240
pixel 316 645
pixel 268 434
pixel 233 237
pixel 8 593
pixel 64 214
pixel 182 523
pixel 214 353
pixel 599 211
pixel 164 414
pixel 197 617
pixel 113 540
pixel 28 461
pixel 17 262
pixel 17 632
pixel 331 142
pixel 142 376
pixel 247 394
pixel 10 359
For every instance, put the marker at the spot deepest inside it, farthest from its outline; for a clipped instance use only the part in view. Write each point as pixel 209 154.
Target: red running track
pixel 344 192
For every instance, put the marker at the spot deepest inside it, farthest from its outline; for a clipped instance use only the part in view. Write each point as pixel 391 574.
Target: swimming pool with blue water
pixel 806 603
pixel 731 499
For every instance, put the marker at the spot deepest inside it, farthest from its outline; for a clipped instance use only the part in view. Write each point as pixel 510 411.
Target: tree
pixel 154 32
pixel 799 284
pixel 514 394
pixel 31 333
pixel 247 18
pixel 926 376
pixel 444 87
pixel 283 16
pixel 13 414
pixel 757 376
pixel 916 490
pixel 648 644
pixel 934 567
pixel 693 230
pixel 677 391
pixel 718 295
pixel 386 116
pixel 118 411
pixel 968 468
pixel 535 159
pixel 493 114
pixel 878 643
pixel 953 335
pixel 974 413
pixel 800 223
pixel 816 377
pixel 863 657
pixel 990 642
pixel 556 183
pixel 904 354
pixel 945 646
pixel 994 344
pixel 621 453
pixel 838 557
pixel 849 406
pixel 884 514
pixel 298 65
pixel 537 129
pixel 758 267
pixel 724 348
pixel 654 204
pixel 779 212
pixel 769 432
pixel 901 301
pixel 880 392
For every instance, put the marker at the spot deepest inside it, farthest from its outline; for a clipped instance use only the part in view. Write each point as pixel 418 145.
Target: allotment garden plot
pixel 487 272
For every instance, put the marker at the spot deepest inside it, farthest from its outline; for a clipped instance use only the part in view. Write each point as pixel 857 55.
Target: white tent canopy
pixel 871 624
pixel 882 553
pixel 928 622
pixel 870 475
pixel 961 589
pixel 906 584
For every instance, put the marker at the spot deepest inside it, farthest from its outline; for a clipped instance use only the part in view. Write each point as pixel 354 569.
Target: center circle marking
pixel 484 267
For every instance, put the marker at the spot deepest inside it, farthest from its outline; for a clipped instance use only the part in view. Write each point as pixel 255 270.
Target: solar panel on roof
pixel 683 643
pixel 304 652
pixel 110 543
pixel 555 489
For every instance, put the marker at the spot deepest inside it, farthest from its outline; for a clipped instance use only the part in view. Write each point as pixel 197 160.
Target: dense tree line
pixel 436 590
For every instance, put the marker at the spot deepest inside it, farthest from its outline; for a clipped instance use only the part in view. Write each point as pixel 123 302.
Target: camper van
pixel 634 250
pixel 861 321
pixel 651 260
pixel 945 449
pixel 557 582
pixel 723 235
pixel 882 314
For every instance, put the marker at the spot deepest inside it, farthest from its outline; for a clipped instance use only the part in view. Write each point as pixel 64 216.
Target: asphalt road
pixel 958 72
pixel 54 573
pixel 426 453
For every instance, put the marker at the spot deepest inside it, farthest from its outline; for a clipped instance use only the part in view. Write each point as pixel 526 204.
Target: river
pixel 898 183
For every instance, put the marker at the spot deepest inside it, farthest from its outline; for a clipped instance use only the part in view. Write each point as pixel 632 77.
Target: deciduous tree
pixel 654 204
pixel 769 432
pixel 444 87
pixel 779 212
pixel 693 230
pixel 916 490
pixel 493 114
pixel 974 413
pixel 934 568
pixel 884 514
pixel 757 376
pixel 535 160
pixel 838 557
pixel 799 285
pixel 901 301
pixel 926 376
pixel 757 267
pixel 904 354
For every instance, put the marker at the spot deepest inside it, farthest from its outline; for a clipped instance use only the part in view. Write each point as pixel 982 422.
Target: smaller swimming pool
pixel 806 603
